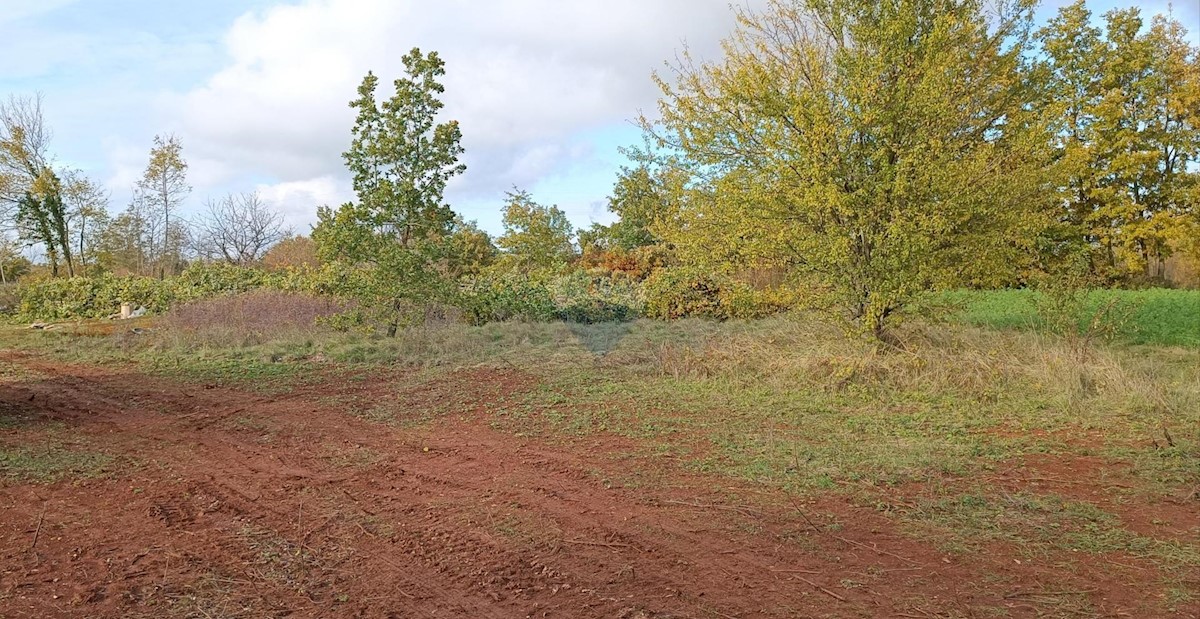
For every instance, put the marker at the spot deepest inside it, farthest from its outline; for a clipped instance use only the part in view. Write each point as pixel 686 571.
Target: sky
pixel 546 91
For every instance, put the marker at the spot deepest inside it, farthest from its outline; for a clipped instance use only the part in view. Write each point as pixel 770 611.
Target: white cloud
pixel 295 200
pixel 525 78
pixel 17 10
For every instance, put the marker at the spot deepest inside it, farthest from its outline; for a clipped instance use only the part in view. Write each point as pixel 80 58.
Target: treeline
pixel 843 155
pixel 67 215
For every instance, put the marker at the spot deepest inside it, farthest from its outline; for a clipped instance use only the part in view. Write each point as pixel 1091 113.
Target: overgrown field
pixel 1054 449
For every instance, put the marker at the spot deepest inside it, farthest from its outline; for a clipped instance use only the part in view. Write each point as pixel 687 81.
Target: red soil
pixel 224 503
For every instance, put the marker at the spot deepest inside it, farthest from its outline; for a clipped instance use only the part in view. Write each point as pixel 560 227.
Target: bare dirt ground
pixel 228 503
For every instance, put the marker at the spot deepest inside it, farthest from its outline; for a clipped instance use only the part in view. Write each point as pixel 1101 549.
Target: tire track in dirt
pixel 337 517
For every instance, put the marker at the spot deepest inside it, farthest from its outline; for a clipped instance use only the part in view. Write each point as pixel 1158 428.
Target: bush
pixel 102 295
pixel 590 298
pixel 683 292
pixel 745 302
pixel 499 298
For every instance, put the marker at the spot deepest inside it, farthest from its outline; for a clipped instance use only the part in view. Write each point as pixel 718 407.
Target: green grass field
pixel 1159 317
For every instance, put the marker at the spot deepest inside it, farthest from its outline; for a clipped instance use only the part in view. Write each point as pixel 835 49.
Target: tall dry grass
pixel 246 319
pixel 965 362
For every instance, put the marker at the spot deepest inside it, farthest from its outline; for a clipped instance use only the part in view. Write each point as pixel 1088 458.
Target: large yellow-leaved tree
pixel 880 149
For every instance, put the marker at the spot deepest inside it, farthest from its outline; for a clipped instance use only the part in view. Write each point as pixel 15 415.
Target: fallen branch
pixel 1052 594
pixel 820 588
pixel 729 508
pixel 779 571
pixel 583 542
pixel 874 549
pixel 37 533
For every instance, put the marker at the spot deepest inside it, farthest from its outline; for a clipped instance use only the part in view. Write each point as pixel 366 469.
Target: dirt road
pixel 228 503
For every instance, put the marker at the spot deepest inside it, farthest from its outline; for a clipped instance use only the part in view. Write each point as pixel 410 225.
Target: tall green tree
pixel 1127 97
pixel 643 199
pixel 42 220
pixel 536 237
pixel 401 157
pixel 391 247
pixel 879 148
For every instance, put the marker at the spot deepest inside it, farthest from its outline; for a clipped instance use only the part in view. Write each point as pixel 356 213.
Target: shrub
pixel 498 298
pixel 102 295
pixel 682 292
pixel 743 301
pixel 689 292
pixel 10 298
pixel 589 298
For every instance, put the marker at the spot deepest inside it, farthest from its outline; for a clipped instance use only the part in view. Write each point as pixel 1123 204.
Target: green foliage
pixel 495 298
pixel 573 297
pixel 1126 101
pixel 859 144
pixel 391 250
pixel 536 237
pixel 391 281
pixel 643 199
pixel 684 292
pixel 42 219
pixel 102 295
pixel 401 158
pixel 586 298
pixel 471 249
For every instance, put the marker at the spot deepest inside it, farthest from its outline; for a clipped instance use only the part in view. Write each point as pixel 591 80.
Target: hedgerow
pixel 102 295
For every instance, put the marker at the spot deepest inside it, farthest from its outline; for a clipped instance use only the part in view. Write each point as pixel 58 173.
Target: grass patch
pixel 51 463
pixel 964 521
pixel 1160 317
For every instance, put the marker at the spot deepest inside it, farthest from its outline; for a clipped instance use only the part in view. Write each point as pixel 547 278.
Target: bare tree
pixel 239 229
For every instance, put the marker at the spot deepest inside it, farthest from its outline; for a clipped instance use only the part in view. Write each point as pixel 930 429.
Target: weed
pixel 50 463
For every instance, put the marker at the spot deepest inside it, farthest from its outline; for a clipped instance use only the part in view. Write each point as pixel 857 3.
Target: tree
pixel 391 247
pixel 391 281
pixel 239 229
pixel 125 246
pixel 292 252
pixel 400 157
pixel 42 220
pixel 13 265
pixel 86 204
pixel 24 152
pixel 879 149
pixel 161 191
pixel 535 236
pixel 642 199
pixel 1128 100
pixel 471 249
